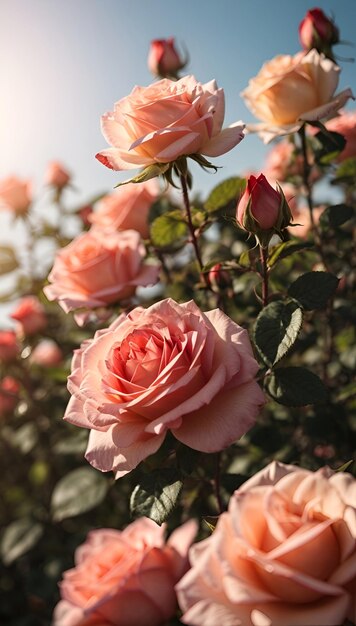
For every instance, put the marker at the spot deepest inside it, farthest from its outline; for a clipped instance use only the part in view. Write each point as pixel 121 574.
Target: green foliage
pixel 336 215
pixel 79 491
pixel 18 538
pixel 169 230
pixel 285 249
pixel 156 494
pixel 224 194
pixel 329 145
pixel 295 386
pixel 276 330
pixel 8 260
pixel 313 289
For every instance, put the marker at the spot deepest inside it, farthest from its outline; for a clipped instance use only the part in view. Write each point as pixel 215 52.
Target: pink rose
pixel 99 268
pixel 301 225
pixel 318 31
pixel 283 555
pixel 291 89
pixel 9 395
pixel 16 194
pixel 57 175
pixel 9 347
pixel 167 120
pixel 163 59
pixel 30 315
pixel 168 367
pixel 345 124
pixel 128 207
pixel 46 354
pixel 125 578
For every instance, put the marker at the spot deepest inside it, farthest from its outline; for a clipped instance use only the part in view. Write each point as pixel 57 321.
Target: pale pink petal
pixel 224 141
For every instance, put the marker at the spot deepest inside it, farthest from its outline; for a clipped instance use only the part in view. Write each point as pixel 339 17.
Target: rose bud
pixel 9 394
pixel 46 354
pixel 219 279
pixel 16 195
pixel 163 59
pixel 57 176
pixel 318 31
pixel 30 315
pixel 263 210
pixel 9 347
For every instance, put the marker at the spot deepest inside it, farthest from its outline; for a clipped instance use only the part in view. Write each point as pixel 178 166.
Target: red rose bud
pixel 9 395
pixel 263 210
pixel 318 31
pixel 163 59
pixel 219 279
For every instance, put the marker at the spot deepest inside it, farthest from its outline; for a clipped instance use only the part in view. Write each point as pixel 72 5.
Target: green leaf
pixel 224 193
pixel 156 495
pixel 276 329
pixel 8 260
pixel 346 172
pixel 336 215
pixel 168 229
pixel 296 386
pixel 313 289
pixel 18 538
pixel 330 144
pixel 283 250
pixel 78 492
pixel 151 171
pixel 187 459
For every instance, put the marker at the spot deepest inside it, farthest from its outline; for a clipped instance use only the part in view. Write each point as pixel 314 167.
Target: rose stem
pixel 220 504
pixel 264 274
pixel 194 241
pixel 309 197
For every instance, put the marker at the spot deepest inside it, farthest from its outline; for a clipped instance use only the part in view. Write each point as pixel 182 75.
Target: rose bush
pixel 168 367
pixel 9 395
pixel 166 120
pixel 97 269
pixel 345 124
pixel 9 346
pixel 291 89
pixel 127 208
pixel 284 553
pixel 125 578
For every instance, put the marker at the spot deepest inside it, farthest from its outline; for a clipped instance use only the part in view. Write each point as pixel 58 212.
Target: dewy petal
pixel 330 108
pixel 224 141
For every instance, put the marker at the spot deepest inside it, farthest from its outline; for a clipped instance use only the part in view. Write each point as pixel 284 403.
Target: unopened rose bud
pixel 9 347
pixel 9 395
pixel 57 176
pixel 318 31
pixel 30 315
pixel 16 195
pixel 46 354
pixel 263 210
pixel 163 59
pixel 219 279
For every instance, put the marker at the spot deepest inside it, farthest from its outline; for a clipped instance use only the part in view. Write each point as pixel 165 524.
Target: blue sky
pixel 65 63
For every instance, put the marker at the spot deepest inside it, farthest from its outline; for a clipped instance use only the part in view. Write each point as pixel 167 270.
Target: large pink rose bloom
pixel 289 90
pixel 127 208
pixel 167 120
pixel 15 194
pixel 125 578
pixel 97 269
pixel 168 367
pixel 283 555
pixel 345 124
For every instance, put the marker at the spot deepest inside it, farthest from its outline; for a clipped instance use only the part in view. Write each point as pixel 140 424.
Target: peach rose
pixel 128 207
pixel 345 124
pixel 168 367
pixel 292 89
pixel 167 120
pixel 9 395
pixel 125 578
pixel 97 269
pixel 16 194
pixel 57 175
pixel 9 347
pixel 283 555
pixel 46 354
pixel 30 315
